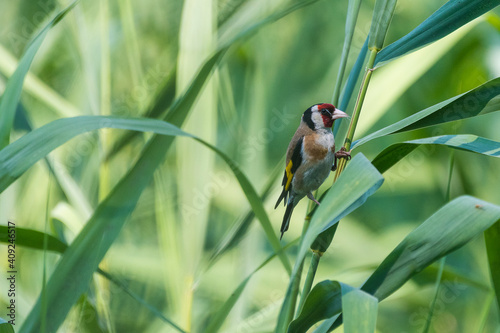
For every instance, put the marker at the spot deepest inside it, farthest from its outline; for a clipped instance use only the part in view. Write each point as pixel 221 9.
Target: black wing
pixel 290 170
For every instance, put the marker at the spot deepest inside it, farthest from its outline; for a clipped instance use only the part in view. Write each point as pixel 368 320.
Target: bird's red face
pixel 329 113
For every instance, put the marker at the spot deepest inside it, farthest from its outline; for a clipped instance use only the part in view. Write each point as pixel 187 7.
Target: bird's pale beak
pixel 339 114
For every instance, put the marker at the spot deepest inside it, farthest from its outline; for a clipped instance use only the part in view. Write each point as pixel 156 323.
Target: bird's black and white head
pixel 322 115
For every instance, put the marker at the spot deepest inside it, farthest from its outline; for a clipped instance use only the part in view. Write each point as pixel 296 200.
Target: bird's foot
pixel 343 153
pixel 311 196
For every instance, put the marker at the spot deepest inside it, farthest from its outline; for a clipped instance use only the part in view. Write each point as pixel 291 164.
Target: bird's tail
pixel 287 216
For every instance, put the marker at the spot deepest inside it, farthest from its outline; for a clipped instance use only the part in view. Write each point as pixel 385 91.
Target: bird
pixel 310 157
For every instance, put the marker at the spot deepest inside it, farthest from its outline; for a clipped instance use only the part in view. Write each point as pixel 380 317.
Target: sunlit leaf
pixel 451 16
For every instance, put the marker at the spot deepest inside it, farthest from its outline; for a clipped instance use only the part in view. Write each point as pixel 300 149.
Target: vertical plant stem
pixel 442 261
pixel 188 305
pixel 450 173
pixel 357 110
pixel 104 184
pixel 486 310
pixel 313 266
pixel 296 278
pixel 102 285
pixel 44 272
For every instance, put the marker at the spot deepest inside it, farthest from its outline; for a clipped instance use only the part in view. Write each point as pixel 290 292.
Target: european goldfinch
pixel 309 157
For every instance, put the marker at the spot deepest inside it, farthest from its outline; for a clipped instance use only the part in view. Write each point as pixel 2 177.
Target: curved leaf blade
pixel 451 16
pixel 382 15
pixel 5 327
pixel 75 269
pixel 20 155
pixel 220 316
pixel 472 143
pixel 451 227
pixel 478 101
pixel 12 93
pixel 33 239
pixel 328 298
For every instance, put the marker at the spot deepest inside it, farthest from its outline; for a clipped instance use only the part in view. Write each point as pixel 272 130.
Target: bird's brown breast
pixel 315 151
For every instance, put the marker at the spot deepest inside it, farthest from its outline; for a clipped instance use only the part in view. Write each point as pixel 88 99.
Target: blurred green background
pixel 116 57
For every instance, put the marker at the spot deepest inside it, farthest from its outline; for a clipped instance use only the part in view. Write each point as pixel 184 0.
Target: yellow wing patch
pixel 289 175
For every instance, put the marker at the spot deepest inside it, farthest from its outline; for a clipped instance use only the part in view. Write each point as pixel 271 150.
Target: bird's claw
pixel 343 153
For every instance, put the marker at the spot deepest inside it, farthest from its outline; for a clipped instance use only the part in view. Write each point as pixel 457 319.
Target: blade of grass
pixel 197 38
pixel 405 71
pixel 12 93
pixel 442 262
pixel 141 301
pixel 448 229
pixel 43 294
pixel 451 227
pixel 239 229
pixel 220 316
pixel 36 87
pixel 382 16
pixel 33 239
pixel 73 272
pixel 5 327
pixel 16 158
pixel 392 154
pixel 163 99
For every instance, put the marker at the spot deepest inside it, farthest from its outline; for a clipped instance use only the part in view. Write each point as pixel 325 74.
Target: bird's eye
pixel 325 113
